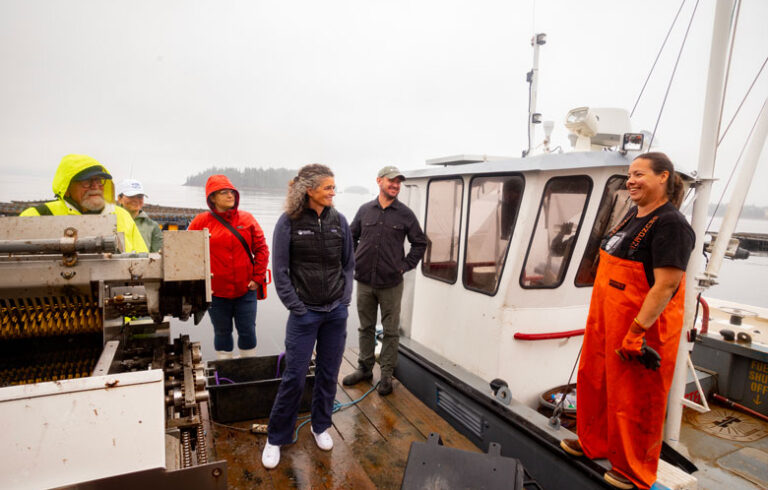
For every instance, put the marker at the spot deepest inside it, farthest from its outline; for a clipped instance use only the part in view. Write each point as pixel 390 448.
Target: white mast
pixel 707 152
pixel 534 118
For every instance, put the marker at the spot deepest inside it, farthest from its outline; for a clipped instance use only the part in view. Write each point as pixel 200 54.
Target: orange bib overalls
pixel 622 405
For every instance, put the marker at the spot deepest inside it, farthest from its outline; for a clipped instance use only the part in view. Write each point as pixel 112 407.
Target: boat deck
pixel 371 443
pixel 729 447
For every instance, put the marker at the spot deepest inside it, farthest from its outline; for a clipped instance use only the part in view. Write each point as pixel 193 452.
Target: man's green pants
pixel 368 301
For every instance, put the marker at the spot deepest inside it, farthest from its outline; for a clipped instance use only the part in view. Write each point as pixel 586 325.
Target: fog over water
pixel 171 88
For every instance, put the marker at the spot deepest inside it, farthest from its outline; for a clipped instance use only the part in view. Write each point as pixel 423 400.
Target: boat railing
pixel 549 335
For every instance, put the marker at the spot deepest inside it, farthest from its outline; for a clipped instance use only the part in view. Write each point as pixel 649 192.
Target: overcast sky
pixel 166 89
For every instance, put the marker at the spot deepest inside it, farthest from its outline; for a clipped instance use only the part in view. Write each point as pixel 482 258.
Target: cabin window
pixel 441 260
pixel 555 232
pixel 493 205
pixel 613 206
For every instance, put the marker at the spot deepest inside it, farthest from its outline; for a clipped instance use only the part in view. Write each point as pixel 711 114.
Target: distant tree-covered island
pixel 247 178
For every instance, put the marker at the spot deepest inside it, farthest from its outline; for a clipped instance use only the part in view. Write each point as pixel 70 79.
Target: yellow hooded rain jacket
pixel 70 166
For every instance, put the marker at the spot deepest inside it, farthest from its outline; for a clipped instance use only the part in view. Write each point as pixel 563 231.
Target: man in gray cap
pixel 378 233
pixel 130 195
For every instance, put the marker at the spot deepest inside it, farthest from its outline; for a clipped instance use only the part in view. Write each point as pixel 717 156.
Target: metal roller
pixel 68 245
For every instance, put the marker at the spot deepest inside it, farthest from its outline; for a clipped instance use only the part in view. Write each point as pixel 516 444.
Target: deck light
pixel 632 142
pixel 581 122
pixel 595 128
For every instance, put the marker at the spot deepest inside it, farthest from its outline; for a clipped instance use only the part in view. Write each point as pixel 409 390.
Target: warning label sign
pixel 758 382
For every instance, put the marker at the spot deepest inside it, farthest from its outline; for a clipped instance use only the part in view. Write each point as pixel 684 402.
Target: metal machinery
pixel 92 391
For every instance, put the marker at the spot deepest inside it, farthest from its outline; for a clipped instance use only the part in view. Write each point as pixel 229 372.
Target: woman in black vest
pixel 314 263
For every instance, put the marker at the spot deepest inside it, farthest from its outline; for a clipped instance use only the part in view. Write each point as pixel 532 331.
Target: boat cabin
pixel 505 283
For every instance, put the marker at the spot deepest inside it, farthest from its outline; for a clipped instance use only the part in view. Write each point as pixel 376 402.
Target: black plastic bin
pixel 247 388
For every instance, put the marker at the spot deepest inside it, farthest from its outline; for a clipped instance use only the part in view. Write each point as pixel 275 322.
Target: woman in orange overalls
pixel 637 304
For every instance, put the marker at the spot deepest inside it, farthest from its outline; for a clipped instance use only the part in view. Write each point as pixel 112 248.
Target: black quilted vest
pixel 316 246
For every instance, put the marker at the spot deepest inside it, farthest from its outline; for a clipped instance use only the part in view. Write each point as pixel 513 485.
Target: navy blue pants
pixel 329 329
pixel 243 311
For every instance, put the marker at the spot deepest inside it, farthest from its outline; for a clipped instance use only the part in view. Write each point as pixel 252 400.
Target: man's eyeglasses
pixel 92 182
pixel 225 191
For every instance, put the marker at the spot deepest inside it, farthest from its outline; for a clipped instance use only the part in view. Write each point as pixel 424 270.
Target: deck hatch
pixel 464 415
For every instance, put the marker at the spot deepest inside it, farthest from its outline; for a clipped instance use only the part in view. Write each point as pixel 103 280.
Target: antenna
pixel 548 127
pixel 532 78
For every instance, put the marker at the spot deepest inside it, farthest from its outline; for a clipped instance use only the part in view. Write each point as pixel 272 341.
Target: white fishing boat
pixel 497 310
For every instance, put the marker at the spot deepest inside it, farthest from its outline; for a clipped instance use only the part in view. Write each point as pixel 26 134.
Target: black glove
pixel 649 357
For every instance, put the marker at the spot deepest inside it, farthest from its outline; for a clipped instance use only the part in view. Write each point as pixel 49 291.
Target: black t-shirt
pixel 663 238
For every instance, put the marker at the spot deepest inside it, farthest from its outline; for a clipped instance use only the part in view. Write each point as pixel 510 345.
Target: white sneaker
pixel 247 353
pixel 223 354
pixel 271 456
pixel 323 440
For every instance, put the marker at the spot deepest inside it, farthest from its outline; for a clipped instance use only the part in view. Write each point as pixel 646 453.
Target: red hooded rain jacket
pixel 230 264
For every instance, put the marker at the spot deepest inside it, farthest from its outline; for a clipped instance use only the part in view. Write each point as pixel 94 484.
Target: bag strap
pixel 237 235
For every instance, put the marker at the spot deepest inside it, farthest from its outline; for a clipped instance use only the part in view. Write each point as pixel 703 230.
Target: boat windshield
pixel 494 202
pixel 613 206
pixel 557 225
pixel 441 260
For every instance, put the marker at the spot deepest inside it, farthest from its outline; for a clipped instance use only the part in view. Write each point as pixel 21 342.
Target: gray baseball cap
pixel 391 172
pixel 90 172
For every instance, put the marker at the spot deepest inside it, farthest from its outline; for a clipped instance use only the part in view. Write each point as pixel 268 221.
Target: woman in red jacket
pixel 237 272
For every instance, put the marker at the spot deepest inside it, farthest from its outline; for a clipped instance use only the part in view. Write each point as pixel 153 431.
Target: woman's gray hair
pixel 309 177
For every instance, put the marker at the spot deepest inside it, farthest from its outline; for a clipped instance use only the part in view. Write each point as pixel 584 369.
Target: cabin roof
pixel 484 164
pixel 473 164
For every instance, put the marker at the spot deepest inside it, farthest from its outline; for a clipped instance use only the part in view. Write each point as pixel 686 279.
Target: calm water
pixel 740 281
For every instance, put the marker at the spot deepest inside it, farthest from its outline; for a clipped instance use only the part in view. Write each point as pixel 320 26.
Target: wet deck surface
pixel 736 458
pixel 371 443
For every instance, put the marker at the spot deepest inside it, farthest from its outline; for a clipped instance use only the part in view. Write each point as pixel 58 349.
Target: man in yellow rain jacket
pixel 84 186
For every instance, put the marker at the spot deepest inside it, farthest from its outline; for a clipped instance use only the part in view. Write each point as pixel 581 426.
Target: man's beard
pixel 93 201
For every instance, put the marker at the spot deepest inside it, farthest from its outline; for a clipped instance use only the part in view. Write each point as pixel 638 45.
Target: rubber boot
pixel 223 354
pixel 247 352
